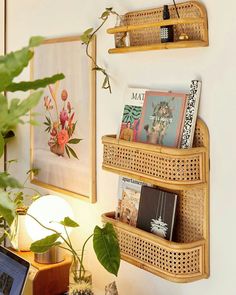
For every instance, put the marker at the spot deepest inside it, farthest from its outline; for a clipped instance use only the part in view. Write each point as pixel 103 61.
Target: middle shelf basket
pixel 159 165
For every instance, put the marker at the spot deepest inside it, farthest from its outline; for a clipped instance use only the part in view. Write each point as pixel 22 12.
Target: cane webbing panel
pixel 147 36
pixel 190 216
pixel 167 260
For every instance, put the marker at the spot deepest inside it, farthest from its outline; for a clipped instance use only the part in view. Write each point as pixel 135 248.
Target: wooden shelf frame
pixel 186 259
pixel 193 21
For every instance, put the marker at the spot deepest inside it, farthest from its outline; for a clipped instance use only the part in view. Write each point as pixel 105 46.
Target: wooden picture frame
pixel 63 147
pixel 3 40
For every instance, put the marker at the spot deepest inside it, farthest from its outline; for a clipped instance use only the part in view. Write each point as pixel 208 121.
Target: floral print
pixel 60 124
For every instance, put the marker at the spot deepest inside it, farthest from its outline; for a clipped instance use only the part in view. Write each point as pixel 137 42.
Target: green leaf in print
pixel 131 113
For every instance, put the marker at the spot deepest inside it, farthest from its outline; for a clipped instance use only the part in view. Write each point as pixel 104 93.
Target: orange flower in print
pixel 62 137
pixel 60 123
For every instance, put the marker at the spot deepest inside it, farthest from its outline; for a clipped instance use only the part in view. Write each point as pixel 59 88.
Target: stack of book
pixel 148 208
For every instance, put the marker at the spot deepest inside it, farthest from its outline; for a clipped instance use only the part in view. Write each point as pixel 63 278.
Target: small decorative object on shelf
pixel 120 38
pixel 167 32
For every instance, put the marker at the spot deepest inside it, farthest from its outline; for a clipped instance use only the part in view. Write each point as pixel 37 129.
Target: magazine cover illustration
pixel 134 98
pixel 129 194
pixel 162 118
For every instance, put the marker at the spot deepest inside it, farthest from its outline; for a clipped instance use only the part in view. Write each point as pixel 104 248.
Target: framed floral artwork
pixel 63 146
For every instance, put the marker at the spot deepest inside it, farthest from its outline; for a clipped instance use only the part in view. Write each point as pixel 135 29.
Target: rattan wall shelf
pixel 143 28
pixel 185 171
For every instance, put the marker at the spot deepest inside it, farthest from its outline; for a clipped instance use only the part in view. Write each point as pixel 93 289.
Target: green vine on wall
pixel 86 38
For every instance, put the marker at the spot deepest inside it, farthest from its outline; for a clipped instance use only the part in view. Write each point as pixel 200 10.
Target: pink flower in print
pixel 53 132
pixel 63 117
pixel 62 137
pixel 47 103
pixel 69 106
pixel 64 95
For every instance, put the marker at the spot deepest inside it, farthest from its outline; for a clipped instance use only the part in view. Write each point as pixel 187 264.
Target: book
pixel 162 118
pixel 129 196
pixel 157 210
pixel 134 98
pixel 191 114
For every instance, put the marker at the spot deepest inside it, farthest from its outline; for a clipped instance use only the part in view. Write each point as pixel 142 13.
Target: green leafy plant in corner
pixel 13 113
pixel 87 37
pixel 105 244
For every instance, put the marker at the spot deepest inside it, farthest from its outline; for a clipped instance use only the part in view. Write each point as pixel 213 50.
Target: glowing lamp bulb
pixel 48 210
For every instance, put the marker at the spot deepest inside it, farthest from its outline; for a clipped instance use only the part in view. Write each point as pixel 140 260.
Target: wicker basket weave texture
pixel 163 167
pixel 152 35
pixel 166 260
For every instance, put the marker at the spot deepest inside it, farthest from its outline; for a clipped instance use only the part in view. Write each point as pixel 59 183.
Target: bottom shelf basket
pixel 178 262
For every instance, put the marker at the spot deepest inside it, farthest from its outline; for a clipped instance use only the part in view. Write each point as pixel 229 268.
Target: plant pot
pixel 80 281
pixel 58 149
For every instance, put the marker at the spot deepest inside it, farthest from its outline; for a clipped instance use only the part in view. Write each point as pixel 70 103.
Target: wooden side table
pixel 46 279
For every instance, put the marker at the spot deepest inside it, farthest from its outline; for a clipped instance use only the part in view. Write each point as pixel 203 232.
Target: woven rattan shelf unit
pixel 143 28
pixel 185 171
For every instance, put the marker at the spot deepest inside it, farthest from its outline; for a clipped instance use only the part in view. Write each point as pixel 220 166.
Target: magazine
pixel 162 118
pixel 191 114
pixel 129 196
pixel 134 98
pixel 157 210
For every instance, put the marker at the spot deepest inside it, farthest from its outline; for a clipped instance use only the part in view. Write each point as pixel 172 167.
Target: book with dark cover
pixel 157 210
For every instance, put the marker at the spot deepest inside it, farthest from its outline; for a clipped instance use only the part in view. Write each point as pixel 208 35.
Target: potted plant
pixel 105 245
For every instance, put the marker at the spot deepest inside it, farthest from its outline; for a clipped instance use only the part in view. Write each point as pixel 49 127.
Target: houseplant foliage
pixel 12 113
pixel 105 244
pixel 86 38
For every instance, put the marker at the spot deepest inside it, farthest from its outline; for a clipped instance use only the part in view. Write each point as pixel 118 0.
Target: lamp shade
pixel 48 210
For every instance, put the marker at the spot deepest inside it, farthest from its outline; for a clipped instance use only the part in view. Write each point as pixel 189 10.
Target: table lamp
pixel 48 210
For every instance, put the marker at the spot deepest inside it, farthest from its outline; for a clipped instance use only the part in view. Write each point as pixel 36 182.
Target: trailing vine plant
pixel 86 38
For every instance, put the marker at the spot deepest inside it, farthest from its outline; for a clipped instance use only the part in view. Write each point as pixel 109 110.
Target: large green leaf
pixel 2 143
pixel 12 64
pixel 106 247
pixel 45 244
pixel 35 41
pixel 33 85
pixel 7 208
pixel 7 181
pixel 10 118
pixel 69 222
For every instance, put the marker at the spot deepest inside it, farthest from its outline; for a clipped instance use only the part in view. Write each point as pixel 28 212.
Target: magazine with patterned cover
pixel 157 210
pixel 162 118
pixel 129 196
pixel 191 114
pixel 134 98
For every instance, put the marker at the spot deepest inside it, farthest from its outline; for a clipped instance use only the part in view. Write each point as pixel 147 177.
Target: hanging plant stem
pixel 86 38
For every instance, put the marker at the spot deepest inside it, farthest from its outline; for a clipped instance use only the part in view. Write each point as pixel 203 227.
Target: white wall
pixel 215 65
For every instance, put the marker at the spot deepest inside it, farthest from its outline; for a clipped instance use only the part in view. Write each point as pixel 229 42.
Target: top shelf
pixel 143 28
